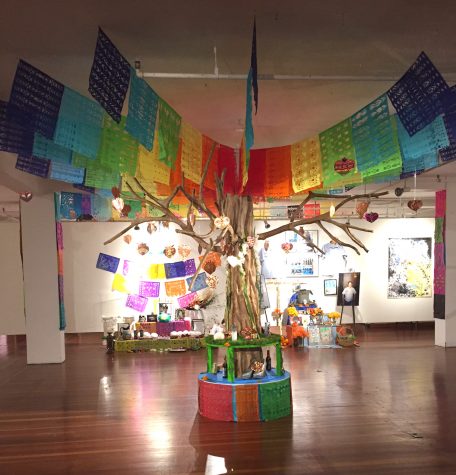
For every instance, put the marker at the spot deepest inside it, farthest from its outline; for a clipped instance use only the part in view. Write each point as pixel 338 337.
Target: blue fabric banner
pixel 14 138
pixel 33 165
pixel 107 262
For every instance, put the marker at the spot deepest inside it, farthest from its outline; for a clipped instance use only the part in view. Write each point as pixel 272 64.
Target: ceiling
pixel 357 46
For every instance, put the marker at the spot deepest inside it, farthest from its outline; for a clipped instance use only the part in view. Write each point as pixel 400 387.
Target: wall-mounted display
pixel 330 286
pixel 409 268
pixel 348 292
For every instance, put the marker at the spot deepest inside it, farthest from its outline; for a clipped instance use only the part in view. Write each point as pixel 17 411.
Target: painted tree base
pixel 249 400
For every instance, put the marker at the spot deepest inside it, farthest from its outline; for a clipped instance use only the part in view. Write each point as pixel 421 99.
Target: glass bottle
pixel 268 361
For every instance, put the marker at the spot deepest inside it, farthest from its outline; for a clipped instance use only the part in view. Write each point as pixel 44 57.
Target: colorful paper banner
pixel 149 289
pixel 175 269
pixel 109 77
pixel 175 288
pixel 187 300
pixel 169 123
pixel 200 282
pixel 136 302
pixel 107 262
pixel 306 170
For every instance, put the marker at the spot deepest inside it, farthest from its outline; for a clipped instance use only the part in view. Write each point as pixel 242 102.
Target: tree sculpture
pixel 232 233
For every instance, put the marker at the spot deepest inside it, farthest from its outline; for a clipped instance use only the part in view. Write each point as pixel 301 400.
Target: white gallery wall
pixel 88 294
pixel 12 319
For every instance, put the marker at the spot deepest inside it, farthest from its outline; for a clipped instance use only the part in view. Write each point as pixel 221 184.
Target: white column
pixel 445 330
pixel 45 342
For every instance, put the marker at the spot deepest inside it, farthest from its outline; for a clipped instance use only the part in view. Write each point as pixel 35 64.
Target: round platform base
pixel 244 400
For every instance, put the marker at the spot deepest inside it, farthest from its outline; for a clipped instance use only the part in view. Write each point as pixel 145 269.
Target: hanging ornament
pixel 371 217
pixel 127 238
pixel 287 247
pixel 191 217
pixel 125 210
pixel 26 196
pixel 118 204
pixel 115 192
pixel 415 205
pixel 362 207
pixel 344 165
pixel 165 224
pixel 221 222
pixel 143 248
pixel 184 250
pixel 332 210
pixel 209 267
pixel 151 228
pixel 169 251
pixel 212 281
pixel 250 241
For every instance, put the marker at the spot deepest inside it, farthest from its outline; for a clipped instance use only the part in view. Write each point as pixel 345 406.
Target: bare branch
pixel 309 243
pixel 341 243
pixel 202 261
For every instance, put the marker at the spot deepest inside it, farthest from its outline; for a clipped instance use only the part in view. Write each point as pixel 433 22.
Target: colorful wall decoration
pixel 409 267
pixel 439 255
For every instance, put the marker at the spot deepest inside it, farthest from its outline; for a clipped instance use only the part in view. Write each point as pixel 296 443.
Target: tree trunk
pixel 242 284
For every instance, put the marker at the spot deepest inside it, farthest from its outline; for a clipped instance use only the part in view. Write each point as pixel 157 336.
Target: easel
pixel 342 312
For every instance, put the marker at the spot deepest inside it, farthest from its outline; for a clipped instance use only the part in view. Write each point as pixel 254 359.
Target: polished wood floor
pixel 388 407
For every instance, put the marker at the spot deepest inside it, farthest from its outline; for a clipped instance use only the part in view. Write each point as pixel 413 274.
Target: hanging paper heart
pixel 169 251
pixel 212 281
pixel 415 205
pixel 115 192
pixel 361 208
pixel 371 217
pixel 143 248
pixel 184 250
pixel 26 196
pixel 118 204
pixel 344 165
pixel 127 238
pixel 250 241
pixel 209 267
pixel 151 228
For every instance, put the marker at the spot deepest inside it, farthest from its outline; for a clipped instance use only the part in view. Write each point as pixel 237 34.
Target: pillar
pixel 445 329
pixel 45 342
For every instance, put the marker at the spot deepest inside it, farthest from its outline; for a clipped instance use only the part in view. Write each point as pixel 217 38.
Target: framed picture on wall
pixel 300 259
pixel 330 286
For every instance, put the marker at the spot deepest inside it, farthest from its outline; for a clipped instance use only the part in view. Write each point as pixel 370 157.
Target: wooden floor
pixel 386 407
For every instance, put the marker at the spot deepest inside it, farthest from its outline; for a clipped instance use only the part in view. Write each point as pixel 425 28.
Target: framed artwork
pixel 330 286
pixel 180 314
pixel 409 268
pixel 165 307
pixel 300 259
pixel 348 291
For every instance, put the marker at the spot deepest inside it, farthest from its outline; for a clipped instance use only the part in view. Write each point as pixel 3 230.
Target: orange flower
pixel 204 378
pixel 227 343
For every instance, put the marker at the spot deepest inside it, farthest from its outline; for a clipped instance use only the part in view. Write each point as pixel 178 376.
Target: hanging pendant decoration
pixel 222 222
pixel 209 267
pixel 151 228
pixel 212 281
pixel 127 238
pixel 26 196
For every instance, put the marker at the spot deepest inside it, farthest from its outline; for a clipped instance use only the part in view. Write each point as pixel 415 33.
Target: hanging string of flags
pixel 60 134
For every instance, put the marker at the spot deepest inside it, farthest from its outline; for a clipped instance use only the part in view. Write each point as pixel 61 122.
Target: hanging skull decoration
pixel 222 222
pixel 287 247
pixel 212 281
pixel 361 208
pixel 415 205
pixel 143 248
pixel 169 251
pixel 184 250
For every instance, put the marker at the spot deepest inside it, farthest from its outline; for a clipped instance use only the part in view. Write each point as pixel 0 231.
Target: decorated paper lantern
pixel 344 165
pixel 415 205
pixel 371 217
